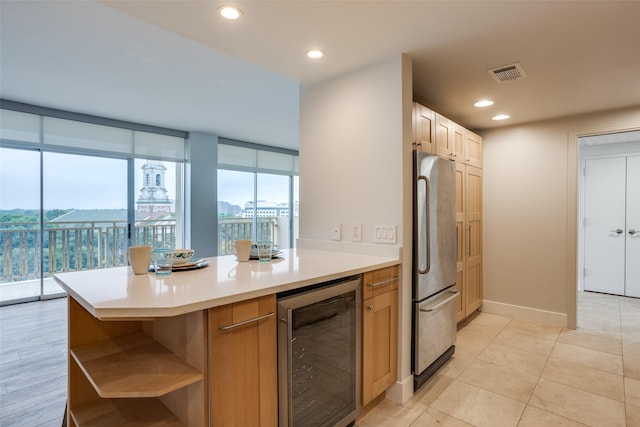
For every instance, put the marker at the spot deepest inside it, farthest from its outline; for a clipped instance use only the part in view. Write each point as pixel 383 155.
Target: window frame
pixel 243 166
pixel 131 156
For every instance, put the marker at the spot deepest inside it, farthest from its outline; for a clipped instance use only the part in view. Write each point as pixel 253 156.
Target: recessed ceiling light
pixel 230 12
pixel 483 103
pixel 501 117
pixel 315 53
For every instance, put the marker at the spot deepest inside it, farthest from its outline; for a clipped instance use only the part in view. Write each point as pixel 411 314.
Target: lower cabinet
pixel 469 230
pixel 243 364
pixel 379 332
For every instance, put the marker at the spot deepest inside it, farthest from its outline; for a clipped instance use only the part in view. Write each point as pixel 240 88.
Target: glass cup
pixel 163 261
pixel 264 251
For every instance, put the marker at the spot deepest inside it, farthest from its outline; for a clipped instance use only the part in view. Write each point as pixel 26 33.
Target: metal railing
pixel 70 246
pixel 231 229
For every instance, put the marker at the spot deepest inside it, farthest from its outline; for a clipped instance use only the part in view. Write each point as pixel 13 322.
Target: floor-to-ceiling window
pixel 257 194
pixel 76 191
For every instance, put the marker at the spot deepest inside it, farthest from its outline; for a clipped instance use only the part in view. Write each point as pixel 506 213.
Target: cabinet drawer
pixel 379 281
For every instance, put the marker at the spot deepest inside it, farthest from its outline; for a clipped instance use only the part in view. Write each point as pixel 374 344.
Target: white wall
pixel 350 152
pixel 530 199
pixel 355 139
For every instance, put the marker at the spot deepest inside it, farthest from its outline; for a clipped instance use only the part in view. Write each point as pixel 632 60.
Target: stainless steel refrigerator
pixel 434 265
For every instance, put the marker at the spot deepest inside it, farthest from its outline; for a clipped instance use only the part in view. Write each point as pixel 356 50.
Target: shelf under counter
pixel 133 365
pixel 138 373
pixel 124 413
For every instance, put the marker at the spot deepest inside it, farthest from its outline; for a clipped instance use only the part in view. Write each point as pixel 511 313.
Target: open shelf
pixel 133 365
pixel 123 413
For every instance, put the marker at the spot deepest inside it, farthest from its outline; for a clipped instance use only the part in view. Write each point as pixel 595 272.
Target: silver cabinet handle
pixel 235 325
pixel 632 231
pixel 618 231
pixel 441 303
pixel 386 282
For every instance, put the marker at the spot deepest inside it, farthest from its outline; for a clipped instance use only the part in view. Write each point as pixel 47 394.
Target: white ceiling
pixel 174 63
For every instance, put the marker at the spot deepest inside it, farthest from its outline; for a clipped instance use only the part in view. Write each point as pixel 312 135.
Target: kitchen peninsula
pixel 152 350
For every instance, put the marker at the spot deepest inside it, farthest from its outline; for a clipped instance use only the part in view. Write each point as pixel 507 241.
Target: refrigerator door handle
pixel 441 303
pixel 424 235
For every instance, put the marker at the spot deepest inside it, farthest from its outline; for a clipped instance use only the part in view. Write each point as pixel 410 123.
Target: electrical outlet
pixel 335 231
pixel 356 232
pixel 384 233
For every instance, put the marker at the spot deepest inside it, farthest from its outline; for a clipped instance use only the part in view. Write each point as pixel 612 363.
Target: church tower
pixel 153 202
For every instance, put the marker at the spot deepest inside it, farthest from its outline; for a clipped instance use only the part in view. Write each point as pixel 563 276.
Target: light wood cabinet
pixel 445 140
pixel 424 129
pixel 473 150
pixel 243 363
pixel 469 234
pixel 473 253
pixel 136 372
pixel 460 135
pixel 379 332
pixel 460 231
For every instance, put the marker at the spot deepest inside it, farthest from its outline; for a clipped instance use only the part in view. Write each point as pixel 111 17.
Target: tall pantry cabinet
pixel 436 134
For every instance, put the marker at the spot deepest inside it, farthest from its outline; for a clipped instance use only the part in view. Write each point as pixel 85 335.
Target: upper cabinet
pixel 473 150
pixel 444 137
pixel 459 143
pixel 424 129
pixel 434 133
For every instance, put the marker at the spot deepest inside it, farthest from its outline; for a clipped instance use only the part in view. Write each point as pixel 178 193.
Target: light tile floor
pixel 508 372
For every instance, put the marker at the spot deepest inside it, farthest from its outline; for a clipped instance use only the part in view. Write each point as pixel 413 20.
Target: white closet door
pixel 604 228
pixel 632 231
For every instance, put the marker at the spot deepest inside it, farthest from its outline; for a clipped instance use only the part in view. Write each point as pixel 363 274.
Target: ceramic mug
pixel 139 259
pixel 241 249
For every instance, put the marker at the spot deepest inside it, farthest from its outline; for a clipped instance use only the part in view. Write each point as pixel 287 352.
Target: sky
pixel 70 181
pixel 85 182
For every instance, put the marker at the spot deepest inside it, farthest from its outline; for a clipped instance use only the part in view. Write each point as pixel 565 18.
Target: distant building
pixel 265 209
pixel 154 202
pixel 97 217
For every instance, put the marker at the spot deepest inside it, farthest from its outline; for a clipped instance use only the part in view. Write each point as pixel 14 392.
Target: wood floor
pixel 33 363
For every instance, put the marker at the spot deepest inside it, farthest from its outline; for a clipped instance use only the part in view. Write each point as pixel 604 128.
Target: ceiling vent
pixel 508 72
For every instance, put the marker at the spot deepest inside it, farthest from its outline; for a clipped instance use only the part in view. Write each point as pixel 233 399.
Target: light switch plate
pixel 356 232
pixel 384 234
pixel 336 231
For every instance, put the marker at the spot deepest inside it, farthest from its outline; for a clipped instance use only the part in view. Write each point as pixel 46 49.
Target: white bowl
pixel 182 256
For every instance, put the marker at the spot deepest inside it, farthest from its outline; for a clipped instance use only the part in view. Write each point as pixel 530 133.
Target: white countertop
pixel 116 293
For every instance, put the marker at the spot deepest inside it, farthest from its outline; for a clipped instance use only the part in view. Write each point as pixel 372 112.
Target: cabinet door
pixel 459 142
pixel 444 137
pixel 473 150
pixel 473 218
pixel 460 230
pixel 379 344
pixel 424 128
pixel 242 363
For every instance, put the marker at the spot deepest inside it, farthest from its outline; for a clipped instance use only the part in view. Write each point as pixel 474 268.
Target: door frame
pixel 573 212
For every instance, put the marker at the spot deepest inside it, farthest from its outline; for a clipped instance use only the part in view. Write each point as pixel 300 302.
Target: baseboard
pixel 401 391
pixel 525 313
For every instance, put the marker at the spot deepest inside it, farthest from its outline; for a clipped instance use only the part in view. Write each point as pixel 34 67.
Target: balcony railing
pixel 69 246
pixel 231 229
